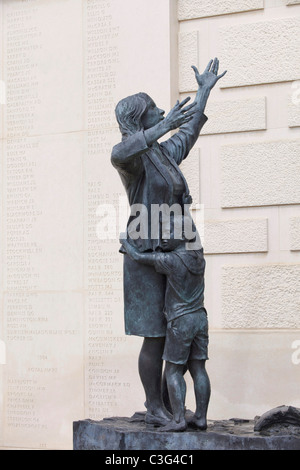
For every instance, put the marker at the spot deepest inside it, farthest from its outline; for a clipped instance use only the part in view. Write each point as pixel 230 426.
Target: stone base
pixel 134 434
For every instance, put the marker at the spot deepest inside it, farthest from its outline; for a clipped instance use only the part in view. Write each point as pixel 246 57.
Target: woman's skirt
pixel 144 296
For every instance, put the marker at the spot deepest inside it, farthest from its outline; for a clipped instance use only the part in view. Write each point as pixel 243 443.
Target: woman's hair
pixel 129 112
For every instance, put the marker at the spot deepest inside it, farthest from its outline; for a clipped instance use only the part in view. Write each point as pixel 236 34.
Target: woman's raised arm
pixel 179 145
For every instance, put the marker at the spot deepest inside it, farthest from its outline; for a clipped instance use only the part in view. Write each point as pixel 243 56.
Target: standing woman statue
pixel 151 176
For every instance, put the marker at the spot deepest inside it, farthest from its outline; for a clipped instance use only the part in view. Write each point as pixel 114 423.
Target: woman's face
pixel 152 116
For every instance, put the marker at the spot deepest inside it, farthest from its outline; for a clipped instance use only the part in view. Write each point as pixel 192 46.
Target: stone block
pixel 263 52
pixel 293 2
pixel 235 236
pixel 260 173
pixel 294 106
pixel 235 115
pixel 189 9
pixel 187 56
pixel 127 434
pixel 295 233
pixel 261 296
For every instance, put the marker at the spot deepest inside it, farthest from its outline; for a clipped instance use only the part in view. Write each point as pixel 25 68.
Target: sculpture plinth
pixel 125 434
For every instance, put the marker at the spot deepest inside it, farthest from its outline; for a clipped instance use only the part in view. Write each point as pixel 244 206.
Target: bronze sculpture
pixel 151 176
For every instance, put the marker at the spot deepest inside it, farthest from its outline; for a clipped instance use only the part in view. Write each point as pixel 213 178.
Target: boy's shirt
pixel 185 281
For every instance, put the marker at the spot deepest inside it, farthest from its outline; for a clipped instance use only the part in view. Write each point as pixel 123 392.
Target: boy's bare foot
pixel 174 427
pixel 199 423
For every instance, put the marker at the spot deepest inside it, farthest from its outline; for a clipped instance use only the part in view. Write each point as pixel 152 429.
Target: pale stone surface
pixel 2 343
pixel 253 360
pixel 215 262
pixel 257 174
pixel 43 213
pixel 261 296
pixel 235 236
pixel 288 229
pixel 41 379
pixel 295 233
pixel 2 363
pixel 189 9
pixel 260 52
pixel 187 56
pixel 294 106
pixel 191 170
pixel 292 2
pixel 114 67
pixel 2 83
pixel 42 67
pixel 235 115
pixel 1 219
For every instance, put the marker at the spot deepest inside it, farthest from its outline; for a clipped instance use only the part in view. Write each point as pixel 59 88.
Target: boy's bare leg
pixel 150 370
pixel 177 390
pixel 202 392
pixel 165 392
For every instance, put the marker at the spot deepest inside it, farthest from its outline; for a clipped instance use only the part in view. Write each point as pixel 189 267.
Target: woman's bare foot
pixel 159 418
pixel 173 426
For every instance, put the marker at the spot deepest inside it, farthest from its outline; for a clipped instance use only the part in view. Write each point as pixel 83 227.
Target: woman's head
pixel 132 111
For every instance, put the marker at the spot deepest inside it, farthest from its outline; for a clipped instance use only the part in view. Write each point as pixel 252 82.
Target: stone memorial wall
pixel 64 66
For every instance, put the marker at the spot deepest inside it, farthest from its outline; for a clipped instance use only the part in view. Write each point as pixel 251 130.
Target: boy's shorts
pixel 187 338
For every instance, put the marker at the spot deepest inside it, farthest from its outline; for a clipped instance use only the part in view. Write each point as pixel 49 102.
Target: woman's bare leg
pixel 177 392
pixel 150 370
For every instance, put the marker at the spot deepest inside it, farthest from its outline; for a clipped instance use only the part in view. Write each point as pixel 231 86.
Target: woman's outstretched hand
pixel 210 75
pixel 179 114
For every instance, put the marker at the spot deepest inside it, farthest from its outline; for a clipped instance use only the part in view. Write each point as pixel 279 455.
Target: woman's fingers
pixel 190 113
pixel 195 70
pixel 215 66
pixel 208 66
pixel 190 106
pixel 183 102
pixel 221 75
pixel 187 119
pixel 212 66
